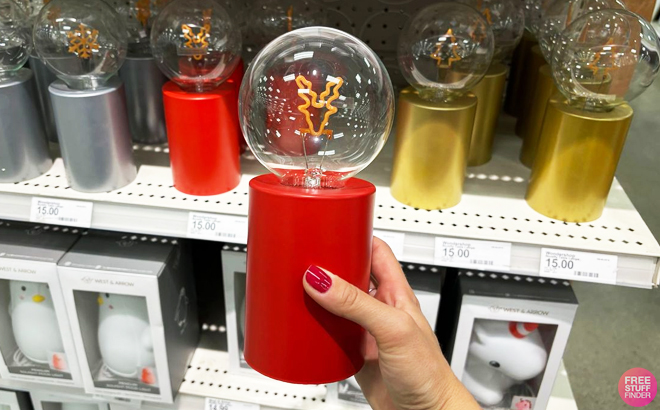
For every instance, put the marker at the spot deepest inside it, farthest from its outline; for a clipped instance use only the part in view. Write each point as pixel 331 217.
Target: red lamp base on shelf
pixel 202 130
pixel 288 336
pixel 237 79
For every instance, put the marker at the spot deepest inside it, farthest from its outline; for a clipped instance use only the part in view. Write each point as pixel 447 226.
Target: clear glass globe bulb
pixel 196 44
pixel 535 12
pixel 272 18
pixel 445 50
pixel 138 17
pixel 507 21
pixel 560 14
pixel 15 43
pixel 82 41
pixel 316 107
pixel 605 58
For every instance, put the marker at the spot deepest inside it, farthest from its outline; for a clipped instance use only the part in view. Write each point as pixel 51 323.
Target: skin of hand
pixel 404 366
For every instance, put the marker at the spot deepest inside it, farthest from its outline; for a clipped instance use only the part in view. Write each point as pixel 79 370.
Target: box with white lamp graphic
pixel 35 336
pixel 14 400
pixel 133 310
pixel 504 335
pixel 425 282
pixel 42 400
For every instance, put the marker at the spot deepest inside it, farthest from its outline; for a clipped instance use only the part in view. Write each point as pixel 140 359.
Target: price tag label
pixel 216 227
pixel 573 265
pixel 61 212
pixel 393 239
pixel 222 404
pixel 472 254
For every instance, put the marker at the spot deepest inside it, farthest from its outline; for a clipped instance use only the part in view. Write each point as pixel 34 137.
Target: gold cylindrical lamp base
pixel 514 90
pixel 535 61
pixel 543 90
pixel 431 150
pixel 576 160
pixel 489 103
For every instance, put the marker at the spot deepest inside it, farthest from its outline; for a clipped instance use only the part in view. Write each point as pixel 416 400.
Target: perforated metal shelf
pixel 492 208
pixel 209 376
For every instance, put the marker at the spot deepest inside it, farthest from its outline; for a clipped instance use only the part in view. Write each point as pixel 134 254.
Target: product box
pixel 504 335
pixel 14 400
pixel 50 401
pixel 234 279
pixel 426 284
pixel 35 336
pixel 133 312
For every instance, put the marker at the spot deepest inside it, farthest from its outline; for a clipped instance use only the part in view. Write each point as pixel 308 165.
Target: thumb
pixel 345 300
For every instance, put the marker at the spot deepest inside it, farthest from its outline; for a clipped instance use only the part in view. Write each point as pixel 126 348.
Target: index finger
pixel 386 268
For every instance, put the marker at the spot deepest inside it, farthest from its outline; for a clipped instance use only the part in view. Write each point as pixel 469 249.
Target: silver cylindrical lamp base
pixel 144 82
pixel 44 78
pixel 23 143
pixel 94 135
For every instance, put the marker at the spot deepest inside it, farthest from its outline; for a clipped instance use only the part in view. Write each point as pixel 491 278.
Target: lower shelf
pixel 209 376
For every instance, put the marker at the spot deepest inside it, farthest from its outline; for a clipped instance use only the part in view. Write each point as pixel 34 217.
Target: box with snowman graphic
pixel 425 282
pixel 35 337
pixel 14 400
pixel 133 310
pixel 42 400
pixel 505 334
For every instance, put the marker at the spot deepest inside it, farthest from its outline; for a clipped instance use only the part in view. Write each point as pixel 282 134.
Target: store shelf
pixel 492 208
pixel 209 376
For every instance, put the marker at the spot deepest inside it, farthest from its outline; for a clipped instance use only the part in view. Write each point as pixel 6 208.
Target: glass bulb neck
pixel 84 83
pixel 7 76
pixel 312 178
pixel 438 95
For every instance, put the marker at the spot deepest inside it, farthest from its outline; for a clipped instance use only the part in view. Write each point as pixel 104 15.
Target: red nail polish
pixel 318 279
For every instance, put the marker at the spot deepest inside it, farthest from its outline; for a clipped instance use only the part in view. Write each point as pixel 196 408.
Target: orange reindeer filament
pixel 305 92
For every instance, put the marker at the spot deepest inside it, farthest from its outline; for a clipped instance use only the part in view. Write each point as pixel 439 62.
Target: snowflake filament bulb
pixel 83 42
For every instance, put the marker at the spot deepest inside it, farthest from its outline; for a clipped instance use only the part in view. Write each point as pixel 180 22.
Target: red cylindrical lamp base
pixel 202 133
pixel 288 336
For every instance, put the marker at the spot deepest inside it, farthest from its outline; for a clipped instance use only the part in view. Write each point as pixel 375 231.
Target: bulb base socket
pixel 531 126
pixel 577 156
pixel 203 133
pixel 489 104
pixel 288 336
pixel 431 150
pixel 23 143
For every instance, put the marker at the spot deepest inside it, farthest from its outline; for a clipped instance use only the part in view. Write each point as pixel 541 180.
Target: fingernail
pixel 318 279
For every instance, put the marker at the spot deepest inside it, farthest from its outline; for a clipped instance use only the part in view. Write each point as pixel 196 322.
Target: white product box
pixel 425 282
pixel 35 342
pixel 234 278
pixel 504 335
pixel 49 401
pixel 133 311
pixel 14 400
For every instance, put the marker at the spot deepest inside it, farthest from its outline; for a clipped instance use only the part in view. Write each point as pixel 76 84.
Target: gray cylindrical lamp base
pixel 94 135
pixel 144 82
pixel 23 143
pixel 44 78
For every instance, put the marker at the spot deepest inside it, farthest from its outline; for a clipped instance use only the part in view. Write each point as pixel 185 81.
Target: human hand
pixel 404 367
